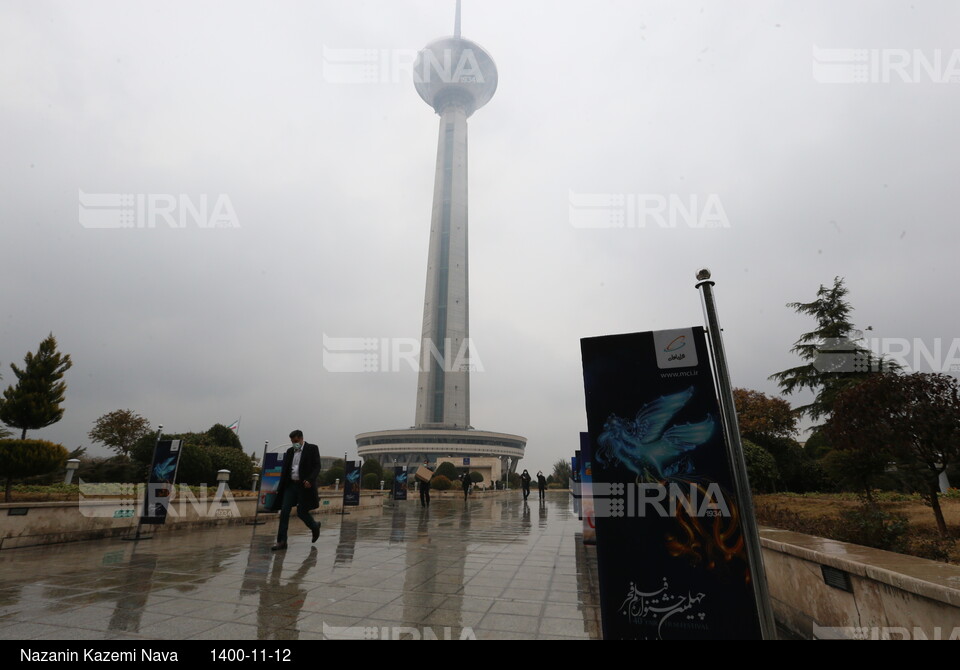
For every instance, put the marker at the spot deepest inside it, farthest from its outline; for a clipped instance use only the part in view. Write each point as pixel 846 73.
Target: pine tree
pixel 835 359
pixel 34 402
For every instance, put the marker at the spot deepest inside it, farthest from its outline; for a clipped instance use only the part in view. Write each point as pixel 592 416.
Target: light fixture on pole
pixel 72 465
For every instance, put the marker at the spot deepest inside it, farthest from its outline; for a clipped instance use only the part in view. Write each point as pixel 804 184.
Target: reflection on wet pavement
pixel 489 568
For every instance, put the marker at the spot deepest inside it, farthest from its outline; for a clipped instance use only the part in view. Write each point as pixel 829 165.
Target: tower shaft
pixel 443 389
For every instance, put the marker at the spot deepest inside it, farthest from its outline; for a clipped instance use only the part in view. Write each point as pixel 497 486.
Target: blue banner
pixel 400 483
pixel 670 550
pixel 160 485
pixel 575 477
pixel 270 478
pixel 351 484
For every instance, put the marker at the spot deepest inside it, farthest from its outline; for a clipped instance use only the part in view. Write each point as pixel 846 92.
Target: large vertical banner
pixel 160 485
pixel 351 484
pixel 670 552
pixel 400 483
pixel 575 484
pixel 586 490
pixel 270 476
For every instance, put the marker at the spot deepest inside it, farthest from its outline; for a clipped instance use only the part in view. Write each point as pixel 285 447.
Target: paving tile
pixel 569 627
pixel 455 569
pixel 517 607
pixel 510 622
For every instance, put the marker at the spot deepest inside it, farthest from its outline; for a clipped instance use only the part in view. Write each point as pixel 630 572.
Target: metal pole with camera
pixel 738 464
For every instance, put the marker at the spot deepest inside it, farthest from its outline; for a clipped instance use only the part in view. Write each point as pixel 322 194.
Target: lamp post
pixel 223 476
pixel 72 465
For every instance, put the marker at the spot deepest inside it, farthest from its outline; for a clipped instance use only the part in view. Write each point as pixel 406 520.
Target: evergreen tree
pixel 834 358
pixel 34 402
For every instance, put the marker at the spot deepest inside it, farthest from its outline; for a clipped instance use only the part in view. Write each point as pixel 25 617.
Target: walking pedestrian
pixel 298 487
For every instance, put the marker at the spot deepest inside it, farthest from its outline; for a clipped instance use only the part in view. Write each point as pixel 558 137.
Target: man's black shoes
pixel 316 532
pixel 278 546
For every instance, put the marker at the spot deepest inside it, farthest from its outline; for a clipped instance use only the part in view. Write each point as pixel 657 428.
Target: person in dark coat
pixel 466 484
pixel 541 484
pixel 298 487
pixel 425 488
pixel 525 483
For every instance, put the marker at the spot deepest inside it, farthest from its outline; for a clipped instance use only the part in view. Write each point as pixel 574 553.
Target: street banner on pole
pixel 351 484
pixel 671 556
pixel 270 476
pixel 400 483
pixel 160 485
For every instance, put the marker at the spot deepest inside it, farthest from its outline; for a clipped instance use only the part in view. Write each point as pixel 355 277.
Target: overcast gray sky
pixel 329 171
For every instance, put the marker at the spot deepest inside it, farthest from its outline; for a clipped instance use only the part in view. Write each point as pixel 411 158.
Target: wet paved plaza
pixel 489 568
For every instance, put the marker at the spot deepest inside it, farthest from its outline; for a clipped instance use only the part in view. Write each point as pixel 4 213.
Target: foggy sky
pixel 332 185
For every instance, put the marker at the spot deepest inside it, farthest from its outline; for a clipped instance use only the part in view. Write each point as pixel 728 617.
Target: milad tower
pixel 456 77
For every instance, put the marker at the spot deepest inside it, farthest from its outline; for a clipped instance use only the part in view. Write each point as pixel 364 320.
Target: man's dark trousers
pixel 292 495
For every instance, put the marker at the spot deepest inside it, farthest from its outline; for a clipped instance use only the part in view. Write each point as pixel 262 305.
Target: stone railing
pixel 827 589
pixel 29 524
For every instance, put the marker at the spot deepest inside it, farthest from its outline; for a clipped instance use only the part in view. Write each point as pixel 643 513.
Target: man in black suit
pixel 298 487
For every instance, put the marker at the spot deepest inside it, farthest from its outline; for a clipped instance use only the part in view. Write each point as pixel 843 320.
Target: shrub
pixel 555 485
pixel 372 466
pixel 858 471
pixel 371 482
pixel 330 477
pixel 476 477
pixel 25 458
pixel 222 436
pixel 196 464
pixel 116 469
pixel 232 459
pixel 871 526
pixel 937 548
pixel 447 469
pixel 441 483
pixel 761 468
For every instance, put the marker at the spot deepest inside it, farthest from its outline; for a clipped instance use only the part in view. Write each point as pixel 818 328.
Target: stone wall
pixel 28 524
pixel 877 594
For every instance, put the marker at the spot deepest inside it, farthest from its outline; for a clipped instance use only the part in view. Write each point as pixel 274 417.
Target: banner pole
pixel 256 507
pixel 748 523
pixel 146 493
pixel 343 497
